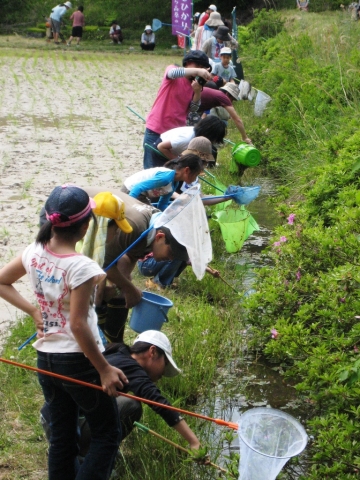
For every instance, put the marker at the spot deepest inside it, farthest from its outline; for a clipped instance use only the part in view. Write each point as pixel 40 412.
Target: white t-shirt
pixel 150 174
pixel 115 29
pixel 52 278
pixel 179 138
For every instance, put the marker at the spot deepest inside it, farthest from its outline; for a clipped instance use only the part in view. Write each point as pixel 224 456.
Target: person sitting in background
pixel 303 5
pixel 78 25
pixel 220 38
pixel 116 33
pixel 144 363
pixel 224 70
pixel 163 181
pixel 147 39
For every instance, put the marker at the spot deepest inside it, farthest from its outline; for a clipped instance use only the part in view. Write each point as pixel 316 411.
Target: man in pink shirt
pixel 77 27
pixel 178 94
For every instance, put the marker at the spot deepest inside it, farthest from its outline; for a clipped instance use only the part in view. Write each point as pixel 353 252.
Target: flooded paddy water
pixel 63 118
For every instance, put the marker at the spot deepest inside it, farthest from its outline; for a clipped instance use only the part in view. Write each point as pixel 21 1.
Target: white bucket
pixel 262 99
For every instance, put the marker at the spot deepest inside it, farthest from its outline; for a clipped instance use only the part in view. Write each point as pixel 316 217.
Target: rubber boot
pixel 115 320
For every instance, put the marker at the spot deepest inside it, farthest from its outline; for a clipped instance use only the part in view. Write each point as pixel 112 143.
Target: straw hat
pixel 202 147
pixel 214 20
pixel 68 4
pixel 232 89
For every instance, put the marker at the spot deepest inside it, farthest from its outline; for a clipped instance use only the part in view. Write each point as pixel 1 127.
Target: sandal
pixel 153 286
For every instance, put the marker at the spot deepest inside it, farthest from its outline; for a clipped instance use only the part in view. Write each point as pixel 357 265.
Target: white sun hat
pixel 160 340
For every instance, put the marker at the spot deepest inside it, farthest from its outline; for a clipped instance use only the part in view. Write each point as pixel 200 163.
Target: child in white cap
pixel 224 69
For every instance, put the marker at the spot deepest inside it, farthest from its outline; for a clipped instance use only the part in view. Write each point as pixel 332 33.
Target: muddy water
pixel 246 381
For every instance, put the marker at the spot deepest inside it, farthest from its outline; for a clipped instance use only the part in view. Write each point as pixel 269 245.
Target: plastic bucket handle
pixel 164 314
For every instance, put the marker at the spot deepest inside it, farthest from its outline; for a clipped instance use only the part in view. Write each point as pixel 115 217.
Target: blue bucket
pixel 150 313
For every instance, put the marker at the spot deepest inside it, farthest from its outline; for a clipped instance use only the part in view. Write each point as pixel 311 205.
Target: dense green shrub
pixel 306 311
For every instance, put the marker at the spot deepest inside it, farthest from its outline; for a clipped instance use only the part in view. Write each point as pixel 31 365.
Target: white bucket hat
pixel 214 20
pixel 147 27
pixel 160 340
pixel 68 4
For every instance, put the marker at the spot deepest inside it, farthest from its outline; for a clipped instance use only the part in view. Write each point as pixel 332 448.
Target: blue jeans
pixel 64 400
pixel 163 272
pixel 151 158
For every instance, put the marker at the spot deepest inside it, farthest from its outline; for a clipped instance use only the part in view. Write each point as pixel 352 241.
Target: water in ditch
pixel 247 381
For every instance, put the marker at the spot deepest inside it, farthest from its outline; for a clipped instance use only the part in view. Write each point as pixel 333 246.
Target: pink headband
pixel 55 218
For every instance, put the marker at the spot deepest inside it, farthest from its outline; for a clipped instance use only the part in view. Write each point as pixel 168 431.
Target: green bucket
pixel 246 154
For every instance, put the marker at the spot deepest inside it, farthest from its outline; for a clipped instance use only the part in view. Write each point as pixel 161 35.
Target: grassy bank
pixel 311 67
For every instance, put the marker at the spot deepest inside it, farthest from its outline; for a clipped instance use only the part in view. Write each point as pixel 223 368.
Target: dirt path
pixel 63 118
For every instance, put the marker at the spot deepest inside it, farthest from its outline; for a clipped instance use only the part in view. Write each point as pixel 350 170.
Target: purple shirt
pixel 211 98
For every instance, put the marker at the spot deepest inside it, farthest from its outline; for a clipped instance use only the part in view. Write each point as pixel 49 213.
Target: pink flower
pixel 274 333
pixel 342 300
pixel 356 350
pixel 283 239
pixel 276 244
pixel 291 218
pixel 298 275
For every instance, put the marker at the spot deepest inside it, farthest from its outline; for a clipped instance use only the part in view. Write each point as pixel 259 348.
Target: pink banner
pixel 181 17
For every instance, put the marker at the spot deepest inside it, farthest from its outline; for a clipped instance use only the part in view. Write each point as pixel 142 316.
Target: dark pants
pixel 151 158
pixel 129 411
pixel 163 272
pixel 64 400
pixel 112 318
pixel 147 46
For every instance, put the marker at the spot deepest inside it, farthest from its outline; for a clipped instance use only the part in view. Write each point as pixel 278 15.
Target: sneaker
pixel 119 43
pixel 68 44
